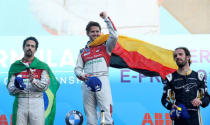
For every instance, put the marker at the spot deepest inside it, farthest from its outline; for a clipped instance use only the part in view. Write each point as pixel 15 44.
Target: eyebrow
pixel 30 45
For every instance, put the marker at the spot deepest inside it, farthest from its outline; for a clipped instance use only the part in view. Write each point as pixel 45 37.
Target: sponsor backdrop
pixel 136 98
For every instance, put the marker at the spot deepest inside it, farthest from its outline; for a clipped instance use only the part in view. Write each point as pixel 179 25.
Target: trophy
pixel 200 93
pixel 171 96
pixel 74 117
pixel 102 118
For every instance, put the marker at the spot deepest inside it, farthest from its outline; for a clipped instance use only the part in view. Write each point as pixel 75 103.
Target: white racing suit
pixel 94 61
pixel 30 100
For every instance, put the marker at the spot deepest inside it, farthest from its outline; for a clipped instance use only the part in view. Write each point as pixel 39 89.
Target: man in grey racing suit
pixel 28 86
pixel 94 61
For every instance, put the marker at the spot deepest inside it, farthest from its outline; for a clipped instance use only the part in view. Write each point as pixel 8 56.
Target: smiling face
pixel 181 58
pixel 94 32
pixel 29 49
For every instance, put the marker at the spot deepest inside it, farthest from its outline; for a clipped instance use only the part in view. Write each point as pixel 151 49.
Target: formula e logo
pixel 74 118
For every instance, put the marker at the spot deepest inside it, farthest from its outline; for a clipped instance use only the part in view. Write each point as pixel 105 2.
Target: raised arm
pixel 113 36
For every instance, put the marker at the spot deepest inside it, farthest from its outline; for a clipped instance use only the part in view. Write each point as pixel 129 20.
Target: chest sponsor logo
pixel 98 50
pixel 187 87
pixel 86 54
pixel 179 79
pixel 94 61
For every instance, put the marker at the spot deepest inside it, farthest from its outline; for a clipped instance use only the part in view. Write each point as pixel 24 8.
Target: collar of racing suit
pixel 185 73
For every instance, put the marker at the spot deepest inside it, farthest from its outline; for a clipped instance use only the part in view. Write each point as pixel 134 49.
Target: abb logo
pixel 158 119
pixel 4 121
pixel 146 121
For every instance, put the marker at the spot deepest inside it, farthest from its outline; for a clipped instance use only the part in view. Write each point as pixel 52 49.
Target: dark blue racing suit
pixel 183 89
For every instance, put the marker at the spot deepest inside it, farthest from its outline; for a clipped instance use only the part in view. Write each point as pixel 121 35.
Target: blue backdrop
pixel 135 99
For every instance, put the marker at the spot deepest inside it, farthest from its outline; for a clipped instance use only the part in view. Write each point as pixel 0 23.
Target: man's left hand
pixel 196 102
pixel 31 77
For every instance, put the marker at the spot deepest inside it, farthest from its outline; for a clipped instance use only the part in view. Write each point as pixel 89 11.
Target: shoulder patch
pixel 201 76
pixel 82 50
pixel 169 77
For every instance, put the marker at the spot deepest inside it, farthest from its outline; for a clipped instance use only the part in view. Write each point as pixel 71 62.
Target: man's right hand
pixel 83 77
pixel 174 106
pixel 19 83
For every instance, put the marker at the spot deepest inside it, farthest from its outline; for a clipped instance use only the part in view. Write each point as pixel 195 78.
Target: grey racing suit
pixel 94 61
pixel 30 100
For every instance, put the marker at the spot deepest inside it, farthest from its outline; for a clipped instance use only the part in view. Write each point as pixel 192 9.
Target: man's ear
pixel 188 58
pixel 35 50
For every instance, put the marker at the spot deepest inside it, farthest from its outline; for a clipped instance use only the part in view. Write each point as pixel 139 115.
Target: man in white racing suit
pixel 28 86
pixel 94 61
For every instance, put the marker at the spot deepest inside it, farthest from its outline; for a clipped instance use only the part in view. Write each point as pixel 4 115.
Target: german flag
pixel 140 56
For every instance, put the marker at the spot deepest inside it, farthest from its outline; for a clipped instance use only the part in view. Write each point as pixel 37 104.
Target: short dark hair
pixel 31 38
pixel 186 51
pixel 90 24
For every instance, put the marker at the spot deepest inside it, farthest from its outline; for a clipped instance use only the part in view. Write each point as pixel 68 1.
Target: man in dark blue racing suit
pixel 185 87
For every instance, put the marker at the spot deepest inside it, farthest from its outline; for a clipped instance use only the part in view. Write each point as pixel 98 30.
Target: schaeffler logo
pixel 158 120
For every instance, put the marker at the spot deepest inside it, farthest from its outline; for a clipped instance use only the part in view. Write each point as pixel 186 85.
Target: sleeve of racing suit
pixel 78 70
pixel 203 87
pixel 165 97
pixel 11 87
pixel 113 36
pixel 43 83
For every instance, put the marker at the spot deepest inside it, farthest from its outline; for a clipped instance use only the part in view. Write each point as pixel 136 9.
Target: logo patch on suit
pixel 87 49
pixel 98 50
pixel 86 54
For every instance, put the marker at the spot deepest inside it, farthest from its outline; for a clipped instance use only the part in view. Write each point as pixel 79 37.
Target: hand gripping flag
pixel 140 56
pixel 179 112
pixel 49 94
